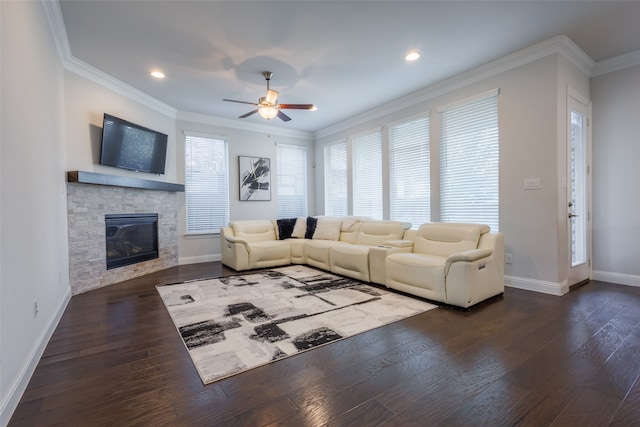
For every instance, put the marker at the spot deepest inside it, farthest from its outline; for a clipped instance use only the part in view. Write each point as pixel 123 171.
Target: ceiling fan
pixel 268 106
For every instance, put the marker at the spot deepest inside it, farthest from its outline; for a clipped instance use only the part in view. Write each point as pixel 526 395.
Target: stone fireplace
pixel 91 199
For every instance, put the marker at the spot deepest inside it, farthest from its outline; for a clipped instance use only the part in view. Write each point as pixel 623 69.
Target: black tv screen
pixel 129 146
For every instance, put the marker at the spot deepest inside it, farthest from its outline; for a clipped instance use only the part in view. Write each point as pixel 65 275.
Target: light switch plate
pixel 532 184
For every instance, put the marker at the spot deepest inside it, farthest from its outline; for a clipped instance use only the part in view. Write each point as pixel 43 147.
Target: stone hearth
pixel 87 205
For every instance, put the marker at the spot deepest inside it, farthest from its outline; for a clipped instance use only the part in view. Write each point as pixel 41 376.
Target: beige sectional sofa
pixel 458 264
pixel 340 245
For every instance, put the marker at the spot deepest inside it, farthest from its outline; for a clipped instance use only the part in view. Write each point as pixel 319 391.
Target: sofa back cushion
pixel 323 228
pixel 374 233
pixel 444 239
pixel 254 230
pixel 349 229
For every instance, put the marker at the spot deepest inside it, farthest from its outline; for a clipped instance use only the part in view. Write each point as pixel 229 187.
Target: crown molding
pixel 70 63
pixel 616 64
pixel 244 126
pixel 58 30
pixel 561 45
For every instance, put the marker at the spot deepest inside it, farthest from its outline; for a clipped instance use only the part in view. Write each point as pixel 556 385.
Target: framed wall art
pixel 255 178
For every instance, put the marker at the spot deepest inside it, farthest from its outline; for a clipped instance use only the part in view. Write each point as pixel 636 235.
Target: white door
pixel 579 190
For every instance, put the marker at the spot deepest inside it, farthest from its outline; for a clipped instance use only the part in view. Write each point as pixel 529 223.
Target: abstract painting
pixel 255 178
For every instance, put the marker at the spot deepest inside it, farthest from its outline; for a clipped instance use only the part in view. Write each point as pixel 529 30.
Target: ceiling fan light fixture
pixel 268 112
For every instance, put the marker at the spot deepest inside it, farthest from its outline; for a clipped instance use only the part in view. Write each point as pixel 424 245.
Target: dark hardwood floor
pixel 530 359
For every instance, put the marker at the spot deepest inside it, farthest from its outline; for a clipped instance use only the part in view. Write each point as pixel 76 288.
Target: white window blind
pixel 206 184
pixel 409 172
pixel 367 174
pixel 469 162
pixel 336 201
pixel 292 181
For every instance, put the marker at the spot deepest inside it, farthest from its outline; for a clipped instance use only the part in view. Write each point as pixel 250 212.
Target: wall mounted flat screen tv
pixel 129 146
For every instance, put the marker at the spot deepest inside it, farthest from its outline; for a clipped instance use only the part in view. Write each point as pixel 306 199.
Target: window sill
pixel 190 236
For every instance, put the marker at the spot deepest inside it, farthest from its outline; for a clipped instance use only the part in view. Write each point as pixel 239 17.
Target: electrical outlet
pixel 35 309
pixel 508 258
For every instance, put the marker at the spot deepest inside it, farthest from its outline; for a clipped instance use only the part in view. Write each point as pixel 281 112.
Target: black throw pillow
pixel 311 227
pixel 285 227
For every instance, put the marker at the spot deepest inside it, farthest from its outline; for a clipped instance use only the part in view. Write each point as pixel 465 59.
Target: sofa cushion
pixel 423 271
pixel 327 229
pixel 300 228
pixel 316 253
pixel 350 260
pixel 269 253
pixel 444 239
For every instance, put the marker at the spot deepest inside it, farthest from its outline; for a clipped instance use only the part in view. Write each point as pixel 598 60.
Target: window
pixel 367 174
pixel 206 184
pixel 469 161
pixel 409 172
pixel 292 181
pixel 335 180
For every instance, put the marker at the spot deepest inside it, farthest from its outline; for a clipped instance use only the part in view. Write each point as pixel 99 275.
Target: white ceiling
pixel 344 56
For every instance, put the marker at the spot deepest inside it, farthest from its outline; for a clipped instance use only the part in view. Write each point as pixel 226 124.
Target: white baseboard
pixel 198 259
pixel 551 288
pixel 15 392
pixel 617 278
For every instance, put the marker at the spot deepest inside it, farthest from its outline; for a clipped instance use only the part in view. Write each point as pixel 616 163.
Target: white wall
pixel 33 220
pixel 252 141
pixel 85 103
pixel 531 118
pixel 616 152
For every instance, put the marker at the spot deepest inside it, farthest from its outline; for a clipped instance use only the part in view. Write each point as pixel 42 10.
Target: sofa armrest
pixel 398 243
pixel 377 255
pixel 472 276
pixel 234 239
pixel 467 256
pixel 227 234
pixel 234 250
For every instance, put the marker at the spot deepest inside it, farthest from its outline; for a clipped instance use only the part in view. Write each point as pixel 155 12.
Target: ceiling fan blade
pixel 283 116
pixel 240 102
pixel 298 106
pixel 272 96
pixel 248 114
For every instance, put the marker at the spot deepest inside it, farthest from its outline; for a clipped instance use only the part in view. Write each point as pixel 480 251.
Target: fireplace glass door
pixel 130 238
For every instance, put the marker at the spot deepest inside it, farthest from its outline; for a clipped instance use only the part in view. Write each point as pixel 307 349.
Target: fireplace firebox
pixel 130 238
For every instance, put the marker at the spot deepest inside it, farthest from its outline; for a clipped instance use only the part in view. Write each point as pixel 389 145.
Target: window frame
pixel 222 191
pixel 282 166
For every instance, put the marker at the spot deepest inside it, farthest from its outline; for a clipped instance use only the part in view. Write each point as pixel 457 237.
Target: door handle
pixel 572 215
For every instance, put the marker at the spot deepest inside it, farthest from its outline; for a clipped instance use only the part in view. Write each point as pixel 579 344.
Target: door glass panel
pixel 577 205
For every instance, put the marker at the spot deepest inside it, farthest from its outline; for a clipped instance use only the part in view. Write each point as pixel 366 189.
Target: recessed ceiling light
pixel 157 74
pixel 412 56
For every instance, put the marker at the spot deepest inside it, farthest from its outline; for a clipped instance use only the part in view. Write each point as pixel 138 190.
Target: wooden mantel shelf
pixel 121 181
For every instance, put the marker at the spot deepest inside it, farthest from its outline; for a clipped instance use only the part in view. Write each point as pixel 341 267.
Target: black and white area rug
pixel 235 323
